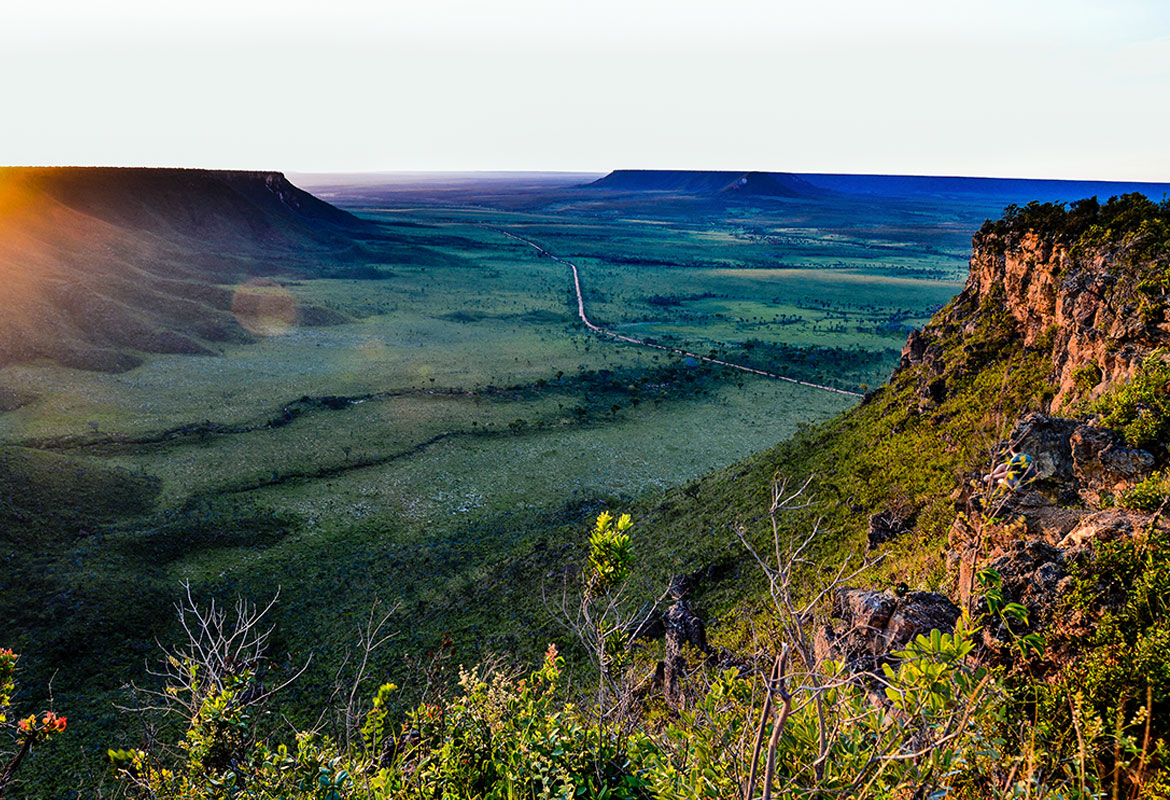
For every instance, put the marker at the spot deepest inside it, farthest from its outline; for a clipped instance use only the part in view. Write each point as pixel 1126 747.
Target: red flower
pixel 52 722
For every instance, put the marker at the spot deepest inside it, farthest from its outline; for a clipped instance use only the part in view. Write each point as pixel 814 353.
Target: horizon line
pixel 534 172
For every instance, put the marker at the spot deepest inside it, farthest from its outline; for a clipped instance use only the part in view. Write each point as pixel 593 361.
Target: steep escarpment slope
pixel 99 265
pixel 240 209
pixel 1057 351
pixel 1062 309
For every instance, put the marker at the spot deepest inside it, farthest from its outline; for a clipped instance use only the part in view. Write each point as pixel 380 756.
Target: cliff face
pixel 1093 293
pixel 1098 329
pixel 1082 295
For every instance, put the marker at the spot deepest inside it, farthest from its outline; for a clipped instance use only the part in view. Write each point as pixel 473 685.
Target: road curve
pixel 643 343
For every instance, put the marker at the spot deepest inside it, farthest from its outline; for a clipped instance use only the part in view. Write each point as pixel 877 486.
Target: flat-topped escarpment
pixel 249 208
pixel 99 265
pixel 723 183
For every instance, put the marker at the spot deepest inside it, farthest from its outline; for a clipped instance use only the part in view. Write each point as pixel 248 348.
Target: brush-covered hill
pixel 1040 593
pixel 1058 348
pixel 1064 312
pixel 99 265
pixel 715 184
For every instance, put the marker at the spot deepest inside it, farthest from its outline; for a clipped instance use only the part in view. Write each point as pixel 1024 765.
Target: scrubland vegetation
pixel 424 484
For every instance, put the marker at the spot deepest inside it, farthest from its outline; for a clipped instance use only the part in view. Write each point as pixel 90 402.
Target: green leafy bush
pixel 1140 409
pixel 610 556
pixel 1149 495
pixel 1114 690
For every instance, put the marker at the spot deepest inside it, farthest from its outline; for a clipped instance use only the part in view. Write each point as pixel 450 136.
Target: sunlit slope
pixel 100 265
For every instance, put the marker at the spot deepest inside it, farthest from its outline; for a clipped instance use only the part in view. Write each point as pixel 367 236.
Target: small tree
pixel 604 616
pixel 24 733
pixel 214 682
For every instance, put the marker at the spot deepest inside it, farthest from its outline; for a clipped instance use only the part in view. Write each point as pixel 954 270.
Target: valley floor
pixel 447 443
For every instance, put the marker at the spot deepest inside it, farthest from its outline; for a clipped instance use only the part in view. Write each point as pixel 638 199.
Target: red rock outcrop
pixel 1098 337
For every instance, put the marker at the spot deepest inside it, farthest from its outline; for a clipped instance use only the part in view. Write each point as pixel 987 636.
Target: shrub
pixel 1149 495
pixel 505 738
pixel 24 733
pixel 1115 689
pixel 1140 409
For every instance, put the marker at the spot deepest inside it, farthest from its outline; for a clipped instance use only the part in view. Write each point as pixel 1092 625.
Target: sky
pixel 1026 88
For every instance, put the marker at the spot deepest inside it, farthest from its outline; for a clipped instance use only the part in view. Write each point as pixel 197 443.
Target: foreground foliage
pixel 19 737
pixel 502 737
pixel 933 722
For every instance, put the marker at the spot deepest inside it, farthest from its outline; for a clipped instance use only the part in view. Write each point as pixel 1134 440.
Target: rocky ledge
pixel 1091 284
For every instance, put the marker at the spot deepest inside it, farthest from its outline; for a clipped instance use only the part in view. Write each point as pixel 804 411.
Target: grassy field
pixel 447 443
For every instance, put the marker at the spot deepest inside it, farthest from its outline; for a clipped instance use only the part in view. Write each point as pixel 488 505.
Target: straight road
pixel 643 343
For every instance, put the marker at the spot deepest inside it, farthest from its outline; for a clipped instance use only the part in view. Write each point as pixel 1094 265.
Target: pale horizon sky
pixel 1040 89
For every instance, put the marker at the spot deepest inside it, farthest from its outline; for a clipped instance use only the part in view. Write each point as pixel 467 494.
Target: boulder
pixel 862 609
pixel 683 628
pixel 888 524
pixel 913 350
pixel 1028 517
pixel 1034 574
pixel 1105 526
pixel 919 613
pixel 920 350
pixel 1046 440
pixel 1104 465
pixel 1079 462
pixel 1043 520
pixel 874 625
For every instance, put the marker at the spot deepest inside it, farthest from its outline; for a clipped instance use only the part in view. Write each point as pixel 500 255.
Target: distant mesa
pixel 995 192
pixel 101 265
pixel 725 184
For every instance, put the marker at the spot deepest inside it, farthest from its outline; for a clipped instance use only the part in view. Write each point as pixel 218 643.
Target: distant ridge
pixel 99 265
pixel 716 183
pixel 1016 190
pixel 721 183
pixel 253 208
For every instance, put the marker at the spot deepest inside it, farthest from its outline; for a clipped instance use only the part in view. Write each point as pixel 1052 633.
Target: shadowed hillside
pixel 99 264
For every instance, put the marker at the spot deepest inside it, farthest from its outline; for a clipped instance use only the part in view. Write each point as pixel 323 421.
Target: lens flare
pixel 264 307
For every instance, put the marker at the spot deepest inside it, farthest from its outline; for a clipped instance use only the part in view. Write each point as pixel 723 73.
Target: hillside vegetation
pixel 898 627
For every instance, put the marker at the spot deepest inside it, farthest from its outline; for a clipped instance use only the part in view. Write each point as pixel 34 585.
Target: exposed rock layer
pixel 1073 300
